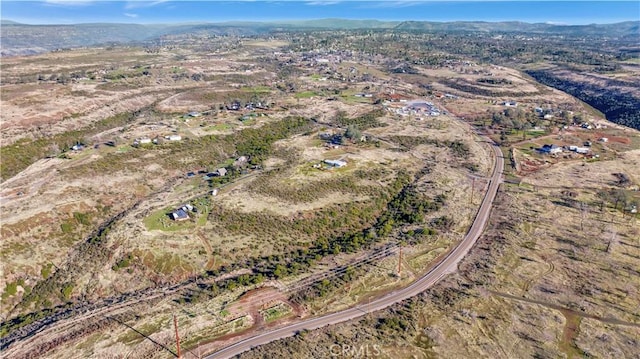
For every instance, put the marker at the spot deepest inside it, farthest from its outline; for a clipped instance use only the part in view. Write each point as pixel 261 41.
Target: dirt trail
pixel 573 318
pixel 254 300
pixel 211 262
pixel 569 334
pixel 567 310
pixel 530 281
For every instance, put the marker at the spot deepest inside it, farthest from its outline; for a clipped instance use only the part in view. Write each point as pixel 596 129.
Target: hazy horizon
pixel 176 12
pixel 285 21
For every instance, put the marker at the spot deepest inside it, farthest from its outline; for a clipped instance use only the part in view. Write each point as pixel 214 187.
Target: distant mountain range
pixel 22 39
pixel 622 29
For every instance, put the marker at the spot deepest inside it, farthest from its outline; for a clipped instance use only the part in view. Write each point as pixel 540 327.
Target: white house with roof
pixel 551 149
pixel 336 163
pixel 179 215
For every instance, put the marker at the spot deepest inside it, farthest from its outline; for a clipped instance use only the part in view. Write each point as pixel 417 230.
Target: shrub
pixel 82 218
pixel 123 263
pixel 12 288
pixel 66 227
pixel 443 223
pixel 67 290
pixel 46 271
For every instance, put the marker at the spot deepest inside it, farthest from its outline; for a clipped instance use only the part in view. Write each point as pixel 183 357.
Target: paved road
pixel 448 265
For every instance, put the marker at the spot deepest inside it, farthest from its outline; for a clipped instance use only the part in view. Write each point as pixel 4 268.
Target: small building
pixel 179 215
pixel 174 138
pixel 77 147
pixel 235 106
pixel 550 149
pixel 325 136
pixel 336 163
pixel 420 106
pixel 214 192
pixel 193 114
pixel 335 139
pixel 582 150
pixel 240 161
pixel 603 139
pixel 262 106
pixel 221 172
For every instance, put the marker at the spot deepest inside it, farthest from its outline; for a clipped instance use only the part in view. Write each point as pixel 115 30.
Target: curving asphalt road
pixel 448 265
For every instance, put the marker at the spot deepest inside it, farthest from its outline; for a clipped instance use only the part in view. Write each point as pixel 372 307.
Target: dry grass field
pixel 536 285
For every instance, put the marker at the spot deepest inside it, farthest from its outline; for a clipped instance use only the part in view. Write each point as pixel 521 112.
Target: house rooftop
pixel 336 163
pixel 179 215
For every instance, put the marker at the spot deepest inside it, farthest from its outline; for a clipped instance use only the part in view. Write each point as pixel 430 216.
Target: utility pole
pixel 473 185
pixel 399 261
pixel 175 324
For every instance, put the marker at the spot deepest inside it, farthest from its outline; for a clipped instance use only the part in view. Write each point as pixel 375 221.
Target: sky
pixel 574 12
